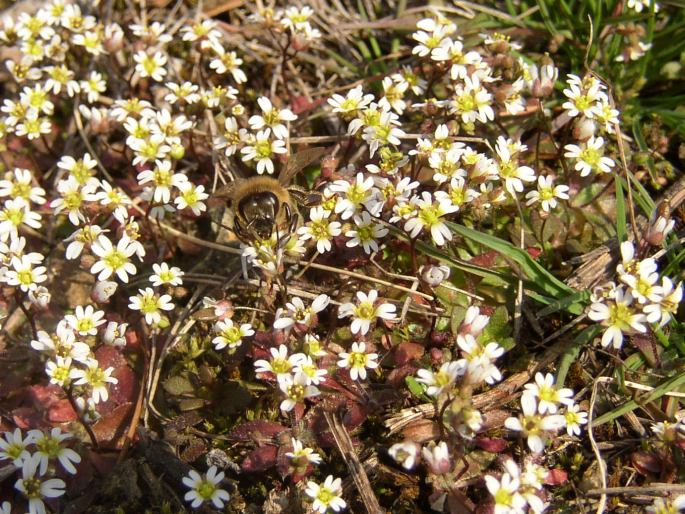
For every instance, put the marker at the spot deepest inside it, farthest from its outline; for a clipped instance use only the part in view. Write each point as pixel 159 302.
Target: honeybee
pixel 263 205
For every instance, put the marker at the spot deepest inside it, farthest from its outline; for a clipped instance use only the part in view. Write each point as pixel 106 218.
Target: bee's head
pixel 259 212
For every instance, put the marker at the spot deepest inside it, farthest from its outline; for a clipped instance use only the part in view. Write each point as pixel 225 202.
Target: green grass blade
pixel 537 274
pixel 667 386
pixel 621 222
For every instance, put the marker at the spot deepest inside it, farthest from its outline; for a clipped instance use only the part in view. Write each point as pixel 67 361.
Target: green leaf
pixel 415 388
pixel 573 302
pixel 571 353
pixel 538 276
pixel 178 386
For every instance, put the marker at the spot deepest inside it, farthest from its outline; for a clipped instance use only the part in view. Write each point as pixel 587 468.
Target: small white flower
pixel 151 65
pixel 327 495
pixel 548 396
pixel 96 378
pixel 230 335
pixel 590 157
pixel 163 275
pixel 302 453
pixel 547 193
pixel 271 118
pixel 357 360
pixel 14 446
pixel 296 390
pixel 34 488
pixel 366 233
pixel 429 215
pixel 280 364
pixel 205 488
pixel 619 317
pixel 297 312
pixel 574 419
pixel 405 453
pixel 437 457
pixel 365 311
pixel 536 427
pixel 442 380
pixel 263 150
pixel 150 304
pixel 113 260
pixel 85 321
pixel 50 447
pixel 319 229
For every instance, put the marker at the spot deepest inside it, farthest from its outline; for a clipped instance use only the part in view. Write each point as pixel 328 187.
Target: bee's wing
pixel 305 197
pixel 299 161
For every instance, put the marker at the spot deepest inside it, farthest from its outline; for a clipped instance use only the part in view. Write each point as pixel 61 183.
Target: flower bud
pixel 584 129
pixel 40 297
pixel 177 151
pixel 114 38
pixel 103 291
pixel 437 458
pixel 660 224
pixel 434 275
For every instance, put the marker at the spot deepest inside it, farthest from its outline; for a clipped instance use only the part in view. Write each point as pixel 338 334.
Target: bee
pixel 262 205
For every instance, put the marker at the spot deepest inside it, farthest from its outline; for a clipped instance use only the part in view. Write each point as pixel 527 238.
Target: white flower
pixel 582 96
pixel 574 419
pixel 405 453
pixel 34 488
pixel 508 168
pixel 280 363
pixel 302 453
pixel 85 235
pixel 19 184
pixel 231 138
pixel 308 367
pixel 663 311
pixel 320 229
pixel 50 447
pixel 85 321
pixel 24 275
pixel 366 233
pixel 352 102
pixel 191 197
pixel 113 260
pixel 442 380
pixel 271 118
pixel 205 488
pixel 619 317
pixel 480 359
pixel 60 371
pixel 152 66
pixel 358 360
pixel 163 179
pixel 96 378
pixel 547 193
pixel 14 446
pixel 150 304
pixel 263 150
pixel 505 492
pixel 662 505
pixel 437 457
pixel 163 275
pixel 227 62
pixel 429 215
pixel 295 389
pixel 365 311
pixel 298 313
pixel 547 394
pixel 472 102
pixel 115 334
pixel 327 495
pixel 536 427
pixel 14 214
pixel 230 335
pixel 590 157
pixel 351 196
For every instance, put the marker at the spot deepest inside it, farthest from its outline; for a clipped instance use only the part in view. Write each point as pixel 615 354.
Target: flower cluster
pixel 641 299
pixel 34 455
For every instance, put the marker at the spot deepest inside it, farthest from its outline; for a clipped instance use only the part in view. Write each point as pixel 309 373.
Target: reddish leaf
pixel 44 397
pixel 491 445
pixel 534 252
pixel 486 260
pixel 260 459
pixel 256 430
pixel 556 477
pixel 62 412
pixel 111 429
pixel 356 415
pixel 28 417
pixel 125 390
pixel 300 104
pixel 646 463
pixel 110 356
pixel 397 375
pixel 406 352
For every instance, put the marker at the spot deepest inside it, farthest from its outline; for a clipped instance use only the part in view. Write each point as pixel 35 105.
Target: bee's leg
pixel 243 263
